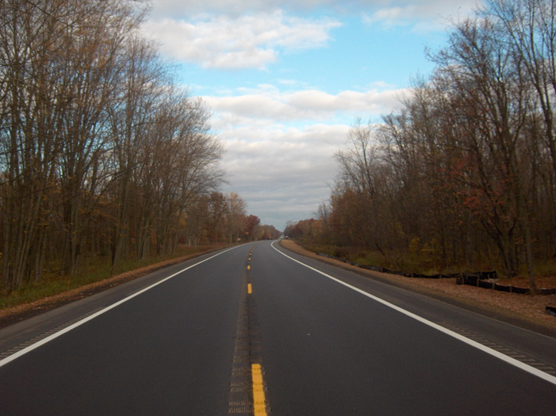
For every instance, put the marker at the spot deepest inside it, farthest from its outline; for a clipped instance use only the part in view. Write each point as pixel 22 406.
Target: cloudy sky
pixel 286 79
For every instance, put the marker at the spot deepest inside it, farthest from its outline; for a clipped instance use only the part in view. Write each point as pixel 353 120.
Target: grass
pixel 415 261
pixel 546 269
pixel 94 271
pixel 359 255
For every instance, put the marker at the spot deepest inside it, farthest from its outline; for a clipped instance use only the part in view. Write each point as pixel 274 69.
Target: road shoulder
pixel 510 308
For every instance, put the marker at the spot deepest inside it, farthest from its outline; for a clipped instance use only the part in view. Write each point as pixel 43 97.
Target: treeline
pixel 464 172
pixel 102 154
pixel 222 218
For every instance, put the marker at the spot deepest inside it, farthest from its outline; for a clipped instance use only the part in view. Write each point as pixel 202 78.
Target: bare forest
pixel 463 174
pixel 102 154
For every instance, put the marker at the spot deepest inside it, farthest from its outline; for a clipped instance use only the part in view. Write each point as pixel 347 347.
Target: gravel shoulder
pixel 525 311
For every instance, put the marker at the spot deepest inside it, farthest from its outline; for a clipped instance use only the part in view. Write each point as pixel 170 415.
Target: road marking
pixel 102 311
pixel 247 389
pixel 259 400
pixel 248 267
pixel 494 353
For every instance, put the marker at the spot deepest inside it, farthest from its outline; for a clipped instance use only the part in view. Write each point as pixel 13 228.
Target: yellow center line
pixel 249 288
pixel 259 400
pixel 248 267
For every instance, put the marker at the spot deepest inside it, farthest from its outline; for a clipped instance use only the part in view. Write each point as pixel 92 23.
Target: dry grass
pixel 530 309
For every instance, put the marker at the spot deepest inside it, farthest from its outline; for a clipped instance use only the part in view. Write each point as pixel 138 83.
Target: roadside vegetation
pixel 106 162
pixel 462 177
pixel 52 285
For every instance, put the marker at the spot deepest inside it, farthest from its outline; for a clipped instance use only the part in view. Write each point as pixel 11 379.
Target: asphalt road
pixel 215 329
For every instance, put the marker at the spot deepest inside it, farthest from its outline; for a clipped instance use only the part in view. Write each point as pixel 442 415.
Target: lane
pixel 481 344
pixel 167 351
pixel 473 325
pixel 329 350
pixel 35 328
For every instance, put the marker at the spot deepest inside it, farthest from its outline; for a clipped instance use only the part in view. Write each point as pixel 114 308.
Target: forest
pixel 463 173
pixel 102 154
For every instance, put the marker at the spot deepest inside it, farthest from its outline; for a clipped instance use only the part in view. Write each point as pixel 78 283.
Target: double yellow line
pixel 259 399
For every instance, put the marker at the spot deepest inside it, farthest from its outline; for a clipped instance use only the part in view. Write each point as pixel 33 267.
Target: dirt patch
pixel 14 314
pixel 522 310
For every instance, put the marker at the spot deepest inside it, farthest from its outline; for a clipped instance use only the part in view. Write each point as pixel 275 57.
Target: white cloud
pixel 422 14
pixel 279 157
pixel 284 173
pixel 249 41
pixel 235 7
pixel 269 103
pixel 280 141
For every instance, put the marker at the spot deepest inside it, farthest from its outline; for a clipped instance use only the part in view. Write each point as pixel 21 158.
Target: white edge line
pixel 93 316
pixel 494 353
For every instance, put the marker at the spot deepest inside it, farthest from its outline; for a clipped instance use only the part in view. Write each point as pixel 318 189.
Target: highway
pixel 258 330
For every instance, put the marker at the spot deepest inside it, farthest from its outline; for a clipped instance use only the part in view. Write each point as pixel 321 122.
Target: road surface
pixel 259 330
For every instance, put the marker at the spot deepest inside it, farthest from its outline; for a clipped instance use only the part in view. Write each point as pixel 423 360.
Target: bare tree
pixel 31 51
pixel 92 74
pixel 99 149
pixel 131 120
pixel 236 216
pixel 468 160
